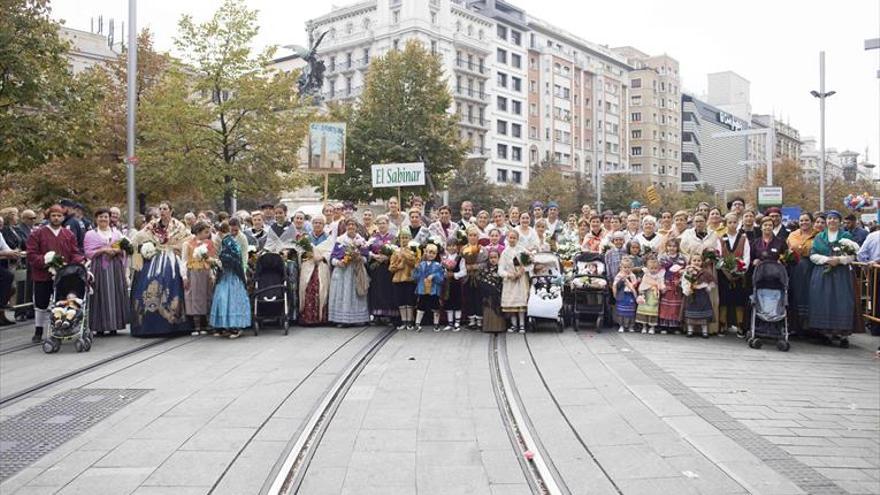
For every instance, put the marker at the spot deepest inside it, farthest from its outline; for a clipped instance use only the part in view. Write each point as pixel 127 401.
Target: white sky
pixel 772 43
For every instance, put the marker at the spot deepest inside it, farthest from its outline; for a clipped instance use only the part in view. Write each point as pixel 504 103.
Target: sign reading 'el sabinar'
pixel 398 174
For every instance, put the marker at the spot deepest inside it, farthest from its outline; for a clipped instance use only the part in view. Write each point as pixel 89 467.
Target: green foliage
pixel 618 191
pixel 469 183
pixel 570 190
pixel 401 117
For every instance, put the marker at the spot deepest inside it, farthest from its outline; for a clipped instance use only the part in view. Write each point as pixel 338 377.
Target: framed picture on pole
pixel 326 148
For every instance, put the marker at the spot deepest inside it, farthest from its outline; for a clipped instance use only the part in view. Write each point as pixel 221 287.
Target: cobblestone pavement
pixel 619 414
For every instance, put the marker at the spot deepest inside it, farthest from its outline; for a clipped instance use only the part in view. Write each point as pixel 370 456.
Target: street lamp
pixel 822 94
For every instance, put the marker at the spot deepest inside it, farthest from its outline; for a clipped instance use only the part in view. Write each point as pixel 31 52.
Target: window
pixel 349 28
pixel 516 153
pixel 502 151
pixel 533 63
pixel 637 168
pixel 395 44
pixel 636 134
pixel 502 32
pixel 434 47
pixel 501 56
pixel 516 107
pixel 533 155
pixel 502 79
pixel 515 37
pixel 533 86
pixel 433 17
pixel 517 83
pixel 533 132
pixel 636 83
pixel 636 117
pixel 516 130
pixel 516 60
pixel 501 126
pixel 636 101
pixel 366 55
pixel 348 60
pixel 502 103
pixel 332 64
pixel 533 109
pixel 395 16
pixel 332 88
pixel 636 151
pixel 348 85
pixel 517 177
pixel 501 175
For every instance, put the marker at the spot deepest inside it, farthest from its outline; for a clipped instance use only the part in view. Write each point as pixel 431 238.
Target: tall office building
pixel 526 93
pixel 730 92
pixel 654 127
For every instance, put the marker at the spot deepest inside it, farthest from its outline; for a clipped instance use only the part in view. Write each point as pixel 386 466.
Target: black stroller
pixel 69 310
pixel 587 291
pixel 270 292
pixel 769 299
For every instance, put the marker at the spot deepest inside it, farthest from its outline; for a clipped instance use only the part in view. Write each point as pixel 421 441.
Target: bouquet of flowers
pixel 606 247
pixel 415 247
pixel 710 256
pixel 567 250
pixel 790 257
pixel 387 249
pixel 842 247
pixel 124 245
pixel 201 252
pixel 732 266
pixel 461 237
pixel 305 244
pixel 352 253
pixel 524 259
pixel 690 279
pixel 148 250
pixel 53 262
pixel 469 250
pixel 646 250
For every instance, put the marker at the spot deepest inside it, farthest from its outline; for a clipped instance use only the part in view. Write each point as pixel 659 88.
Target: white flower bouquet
pixel 201 252
pixel 53 262
pixel 148 250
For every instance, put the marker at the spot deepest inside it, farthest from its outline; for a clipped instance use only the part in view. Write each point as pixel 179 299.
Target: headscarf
pixel 230 257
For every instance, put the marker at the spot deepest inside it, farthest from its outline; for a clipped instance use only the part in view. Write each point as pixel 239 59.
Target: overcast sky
pixel 774 44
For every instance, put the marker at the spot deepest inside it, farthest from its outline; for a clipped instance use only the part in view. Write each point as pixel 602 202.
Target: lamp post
pixel 130 159
pixel 822 94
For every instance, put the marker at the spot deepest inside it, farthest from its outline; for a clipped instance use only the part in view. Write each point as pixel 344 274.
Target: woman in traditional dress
pixel 314 277
pixel 543 240
pixel 665 223
pixel 595 238
pixel 157 286
pixel 800 242
pixel 671 299
pixel 748 227
pixel 199 255
pixel 698 240
pixel 403 262
pixel 832 294
pixel 698 308
pixel 381 304
pixel 109 311
pixel 715 221
pixel 483 227
pixel 349 282
pixel 499 221
pixel 768 247
pixel 526 234
pixel 473 258
pixel 733 291
pixel 491 285
pixel 230 307
pixel 648 237
pixel 515 293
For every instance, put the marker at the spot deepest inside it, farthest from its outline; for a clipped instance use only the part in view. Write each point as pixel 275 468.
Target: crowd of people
pixel 681 271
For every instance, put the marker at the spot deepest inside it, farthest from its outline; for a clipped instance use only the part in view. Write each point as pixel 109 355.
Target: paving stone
pixel 139 452
pixel 107 481
pixel 212 438
pixel 190 468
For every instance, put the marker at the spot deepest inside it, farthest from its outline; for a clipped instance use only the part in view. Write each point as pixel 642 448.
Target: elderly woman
pixel 800 242
pixel 649 238
pixel 157 286
pixel 733 292
pixel 109 311
pixel 349 283
pixel 832 294
pixel 698 240
pixel 314 276
pixel 768 247
pixel 381 305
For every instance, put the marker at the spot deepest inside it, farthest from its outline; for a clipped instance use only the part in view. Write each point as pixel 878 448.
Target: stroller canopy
pixel 71 279
pixel 770 275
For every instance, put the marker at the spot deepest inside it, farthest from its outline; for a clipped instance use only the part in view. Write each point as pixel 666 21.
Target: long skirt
pixel 799 288
pixel 404 293
pixel 201 291
pixel 312 312
pixel 733 297
pixel 452 295
pixel 625 308
pixel 110 306
pixel 381 291
pixel 292 269
pixel 832 300
pixel 493 319
pixel 698 308
pixel 345 305
pixel 647 313
pixel 230 307
pixel 671 306
pixel 157 298
pixel 515 294
pixel 471 300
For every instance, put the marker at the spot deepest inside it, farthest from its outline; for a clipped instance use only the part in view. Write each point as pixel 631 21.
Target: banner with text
pixel 398 174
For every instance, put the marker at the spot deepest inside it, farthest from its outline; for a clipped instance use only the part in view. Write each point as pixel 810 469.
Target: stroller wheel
pixel 48 348
pixel 256 328
pixel 783 345
pixel 757 344
pixel 79 346
pixel 560 325
pixel 844 343
pixel 575 322
pixel 286 326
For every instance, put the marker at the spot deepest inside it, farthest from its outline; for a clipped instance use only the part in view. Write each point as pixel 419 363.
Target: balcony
pixel 471 67
pixel 472 94
pixel 478 152
pixel 474 122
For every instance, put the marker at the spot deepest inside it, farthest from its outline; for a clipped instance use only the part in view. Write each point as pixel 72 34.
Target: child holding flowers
pixel 671 298
pixel 650 287
pixel 401 265
pixel 199 257
pixel 451 262
pixel 515 292
pixel 696 285
pixel 624 291
pixel 473 258
pixel 429 276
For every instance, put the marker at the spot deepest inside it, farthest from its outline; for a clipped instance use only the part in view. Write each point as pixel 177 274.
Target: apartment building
pixel 787 139
pixel 526 93
pixel 654 118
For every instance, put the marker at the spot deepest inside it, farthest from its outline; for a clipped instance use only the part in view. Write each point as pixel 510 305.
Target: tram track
pixel 290 470
pixel 16 396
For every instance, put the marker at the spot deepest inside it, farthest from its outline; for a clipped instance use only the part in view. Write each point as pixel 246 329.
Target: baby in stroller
pixel 67 312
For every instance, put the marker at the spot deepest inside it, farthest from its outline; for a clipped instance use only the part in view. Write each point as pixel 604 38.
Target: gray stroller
pixel 769 300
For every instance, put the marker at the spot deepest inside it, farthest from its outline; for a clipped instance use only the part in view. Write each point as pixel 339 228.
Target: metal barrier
pixel 867 278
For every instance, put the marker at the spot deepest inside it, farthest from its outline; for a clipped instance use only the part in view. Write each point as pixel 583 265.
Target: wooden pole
pixel 326 187
pixel 399 198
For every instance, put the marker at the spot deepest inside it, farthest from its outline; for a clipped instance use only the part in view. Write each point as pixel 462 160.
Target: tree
pixel 42 105
pixel 619 191
pixel 548 183
pixel 401 117
pixel 235 126
pixel 469 183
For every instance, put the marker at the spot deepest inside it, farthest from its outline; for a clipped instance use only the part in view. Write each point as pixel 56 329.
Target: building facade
pixel 720 162
pixel 654 118
pixel 787 139
pixel 87 49
pixel 525 93
pixel 730 92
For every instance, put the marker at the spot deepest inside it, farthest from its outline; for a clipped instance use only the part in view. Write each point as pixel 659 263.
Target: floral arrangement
pixel 387 249
pixel 201 252
pixel 524 259
pixel 567 250
pixel 53 262
pixel 148 250
pixel 469 250
pixel 842 247
pixel 352 252
pixel 790 257
pixel 305 244
pixel 461 237
pixel 732 266
pixel 711 256
pixel 646 250
pixel 124 245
